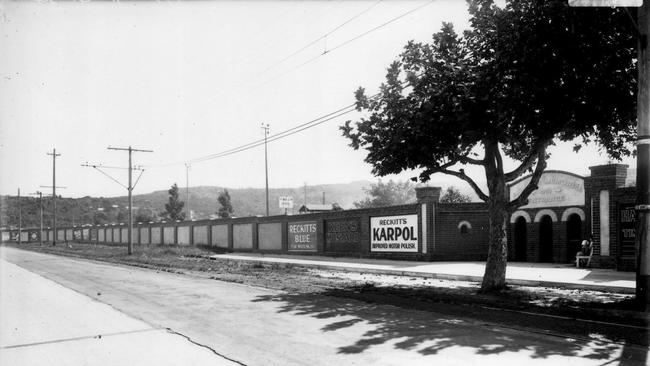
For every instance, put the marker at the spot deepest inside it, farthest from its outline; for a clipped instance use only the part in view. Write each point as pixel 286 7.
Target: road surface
pixel 256 326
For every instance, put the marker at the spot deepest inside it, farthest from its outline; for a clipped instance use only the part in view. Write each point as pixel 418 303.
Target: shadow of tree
pixel 428 327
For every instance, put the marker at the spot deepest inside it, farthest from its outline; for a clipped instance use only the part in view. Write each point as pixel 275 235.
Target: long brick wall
pixel 449 232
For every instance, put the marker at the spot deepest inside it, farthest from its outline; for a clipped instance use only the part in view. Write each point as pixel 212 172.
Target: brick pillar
pixel 427 198
pixel 601 208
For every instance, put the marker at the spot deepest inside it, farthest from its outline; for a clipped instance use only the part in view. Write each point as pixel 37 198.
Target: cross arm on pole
pixel 128 149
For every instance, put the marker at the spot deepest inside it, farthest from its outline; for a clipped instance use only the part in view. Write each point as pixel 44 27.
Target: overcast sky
pixel 190 79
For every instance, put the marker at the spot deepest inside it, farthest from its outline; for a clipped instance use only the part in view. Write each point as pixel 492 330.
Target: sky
pixel 193 78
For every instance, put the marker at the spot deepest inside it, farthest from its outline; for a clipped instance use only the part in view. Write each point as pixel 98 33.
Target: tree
pixel 174 207
pixel 453 195
pixel 144 215
pixel 522 77
pixel 387 194
pixel 122 216
pixel 226 209
pixel 100 218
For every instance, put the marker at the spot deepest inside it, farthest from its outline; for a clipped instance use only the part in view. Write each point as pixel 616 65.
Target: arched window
pixel 464 227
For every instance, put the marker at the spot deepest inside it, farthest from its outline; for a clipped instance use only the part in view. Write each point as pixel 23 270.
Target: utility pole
pixel 54 155
pixel 130 189
pixel 53 227
pixel 266 165
pixel 187 191
pixel 641 239
pixel 643 161
pixel 20 219
pixel 40 201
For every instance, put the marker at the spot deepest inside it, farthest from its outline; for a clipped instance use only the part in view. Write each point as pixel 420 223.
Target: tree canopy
pixel 387 194
pixel 225 209
pixel 521 78
pixel 453 195
pixel 174 206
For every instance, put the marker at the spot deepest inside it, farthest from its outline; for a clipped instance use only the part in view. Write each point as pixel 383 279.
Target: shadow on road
pixel 430 327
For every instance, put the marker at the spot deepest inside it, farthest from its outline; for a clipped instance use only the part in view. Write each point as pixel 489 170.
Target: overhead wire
pixel 343 44
pixel 113 179
pixel 321 37
pixel 315 122
pixel 286 133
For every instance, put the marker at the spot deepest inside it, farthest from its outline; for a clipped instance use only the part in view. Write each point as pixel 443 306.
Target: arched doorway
pixel 520 236
pixel 573 236
pixel 546 239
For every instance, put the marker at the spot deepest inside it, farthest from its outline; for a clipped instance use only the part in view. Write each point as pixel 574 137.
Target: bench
pixel 587 257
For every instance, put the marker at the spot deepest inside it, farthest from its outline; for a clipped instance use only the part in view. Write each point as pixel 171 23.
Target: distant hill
pixel 203 203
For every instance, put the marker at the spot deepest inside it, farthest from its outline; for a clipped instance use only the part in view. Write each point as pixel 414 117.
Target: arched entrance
pixel 546 239
pixel 520 236
pixel 573 236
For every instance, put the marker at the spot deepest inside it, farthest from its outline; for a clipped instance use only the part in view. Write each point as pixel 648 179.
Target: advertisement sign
pixel 302 236
pixel 342 235
pixel 286 202
pixel 627 229
pixel 394 233
pixel 556 189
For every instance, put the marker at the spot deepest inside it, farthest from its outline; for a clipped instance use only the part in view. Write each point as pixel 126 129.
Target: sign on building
pixel 627 229
pixel 286 201
pixel 342 235
pixel 302 236
pixel 605 3
pixel 394 233
pixel 556 189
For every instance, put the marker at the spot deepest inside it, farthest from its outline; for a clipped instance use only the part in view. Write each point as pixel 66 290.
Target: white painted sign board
pixel 286 202
pixel 556 189
pixel 394 233
pixel 605 3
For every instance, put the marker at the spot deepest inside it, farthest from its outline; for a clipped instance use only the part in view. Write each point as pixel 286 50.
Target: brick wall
pixel 451 243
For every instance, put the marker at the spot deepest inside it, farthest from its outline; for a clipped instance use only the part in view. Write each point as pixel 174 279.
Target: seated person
pixel 586 247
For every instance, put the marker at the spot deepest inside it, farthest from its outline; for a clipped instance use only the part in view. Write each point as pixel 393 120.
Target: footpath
pixel 518 273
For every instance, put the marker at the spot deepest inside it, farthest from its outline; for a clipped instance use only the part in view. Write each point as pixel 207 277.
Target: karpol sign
pixel 394 233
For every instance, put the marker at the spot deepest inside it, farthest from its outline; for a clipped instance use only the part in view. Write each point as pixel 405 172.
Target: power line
pixel 286 133
pixel 325 52
pixel 252 144
pixel 321 37
pixel 382 25
pixel 260 142
pixel 103 172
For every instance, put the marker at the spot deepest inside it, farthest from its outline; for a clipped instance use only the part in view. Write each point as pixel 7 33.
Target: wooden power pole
pixel 130 190
pixel 266 165
pixel 54 155
pixel 643 160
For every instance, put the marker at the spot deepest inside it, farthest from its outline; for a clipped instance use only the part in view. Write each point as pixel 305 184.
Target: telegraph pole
pixel 643 161
pixel 40 201
pixel 130 189
pixel 54 155
pixel 187 191
pixel 266 165
pixel 20 219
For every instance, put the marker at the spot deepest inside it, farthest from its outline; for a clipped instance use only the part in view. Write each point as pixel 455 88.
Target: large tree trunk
pixel 494 278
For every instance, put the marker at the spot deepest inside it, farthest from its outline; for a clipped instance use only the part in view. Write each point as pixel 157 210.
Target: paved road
pixel 43 323
pixel 257 326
